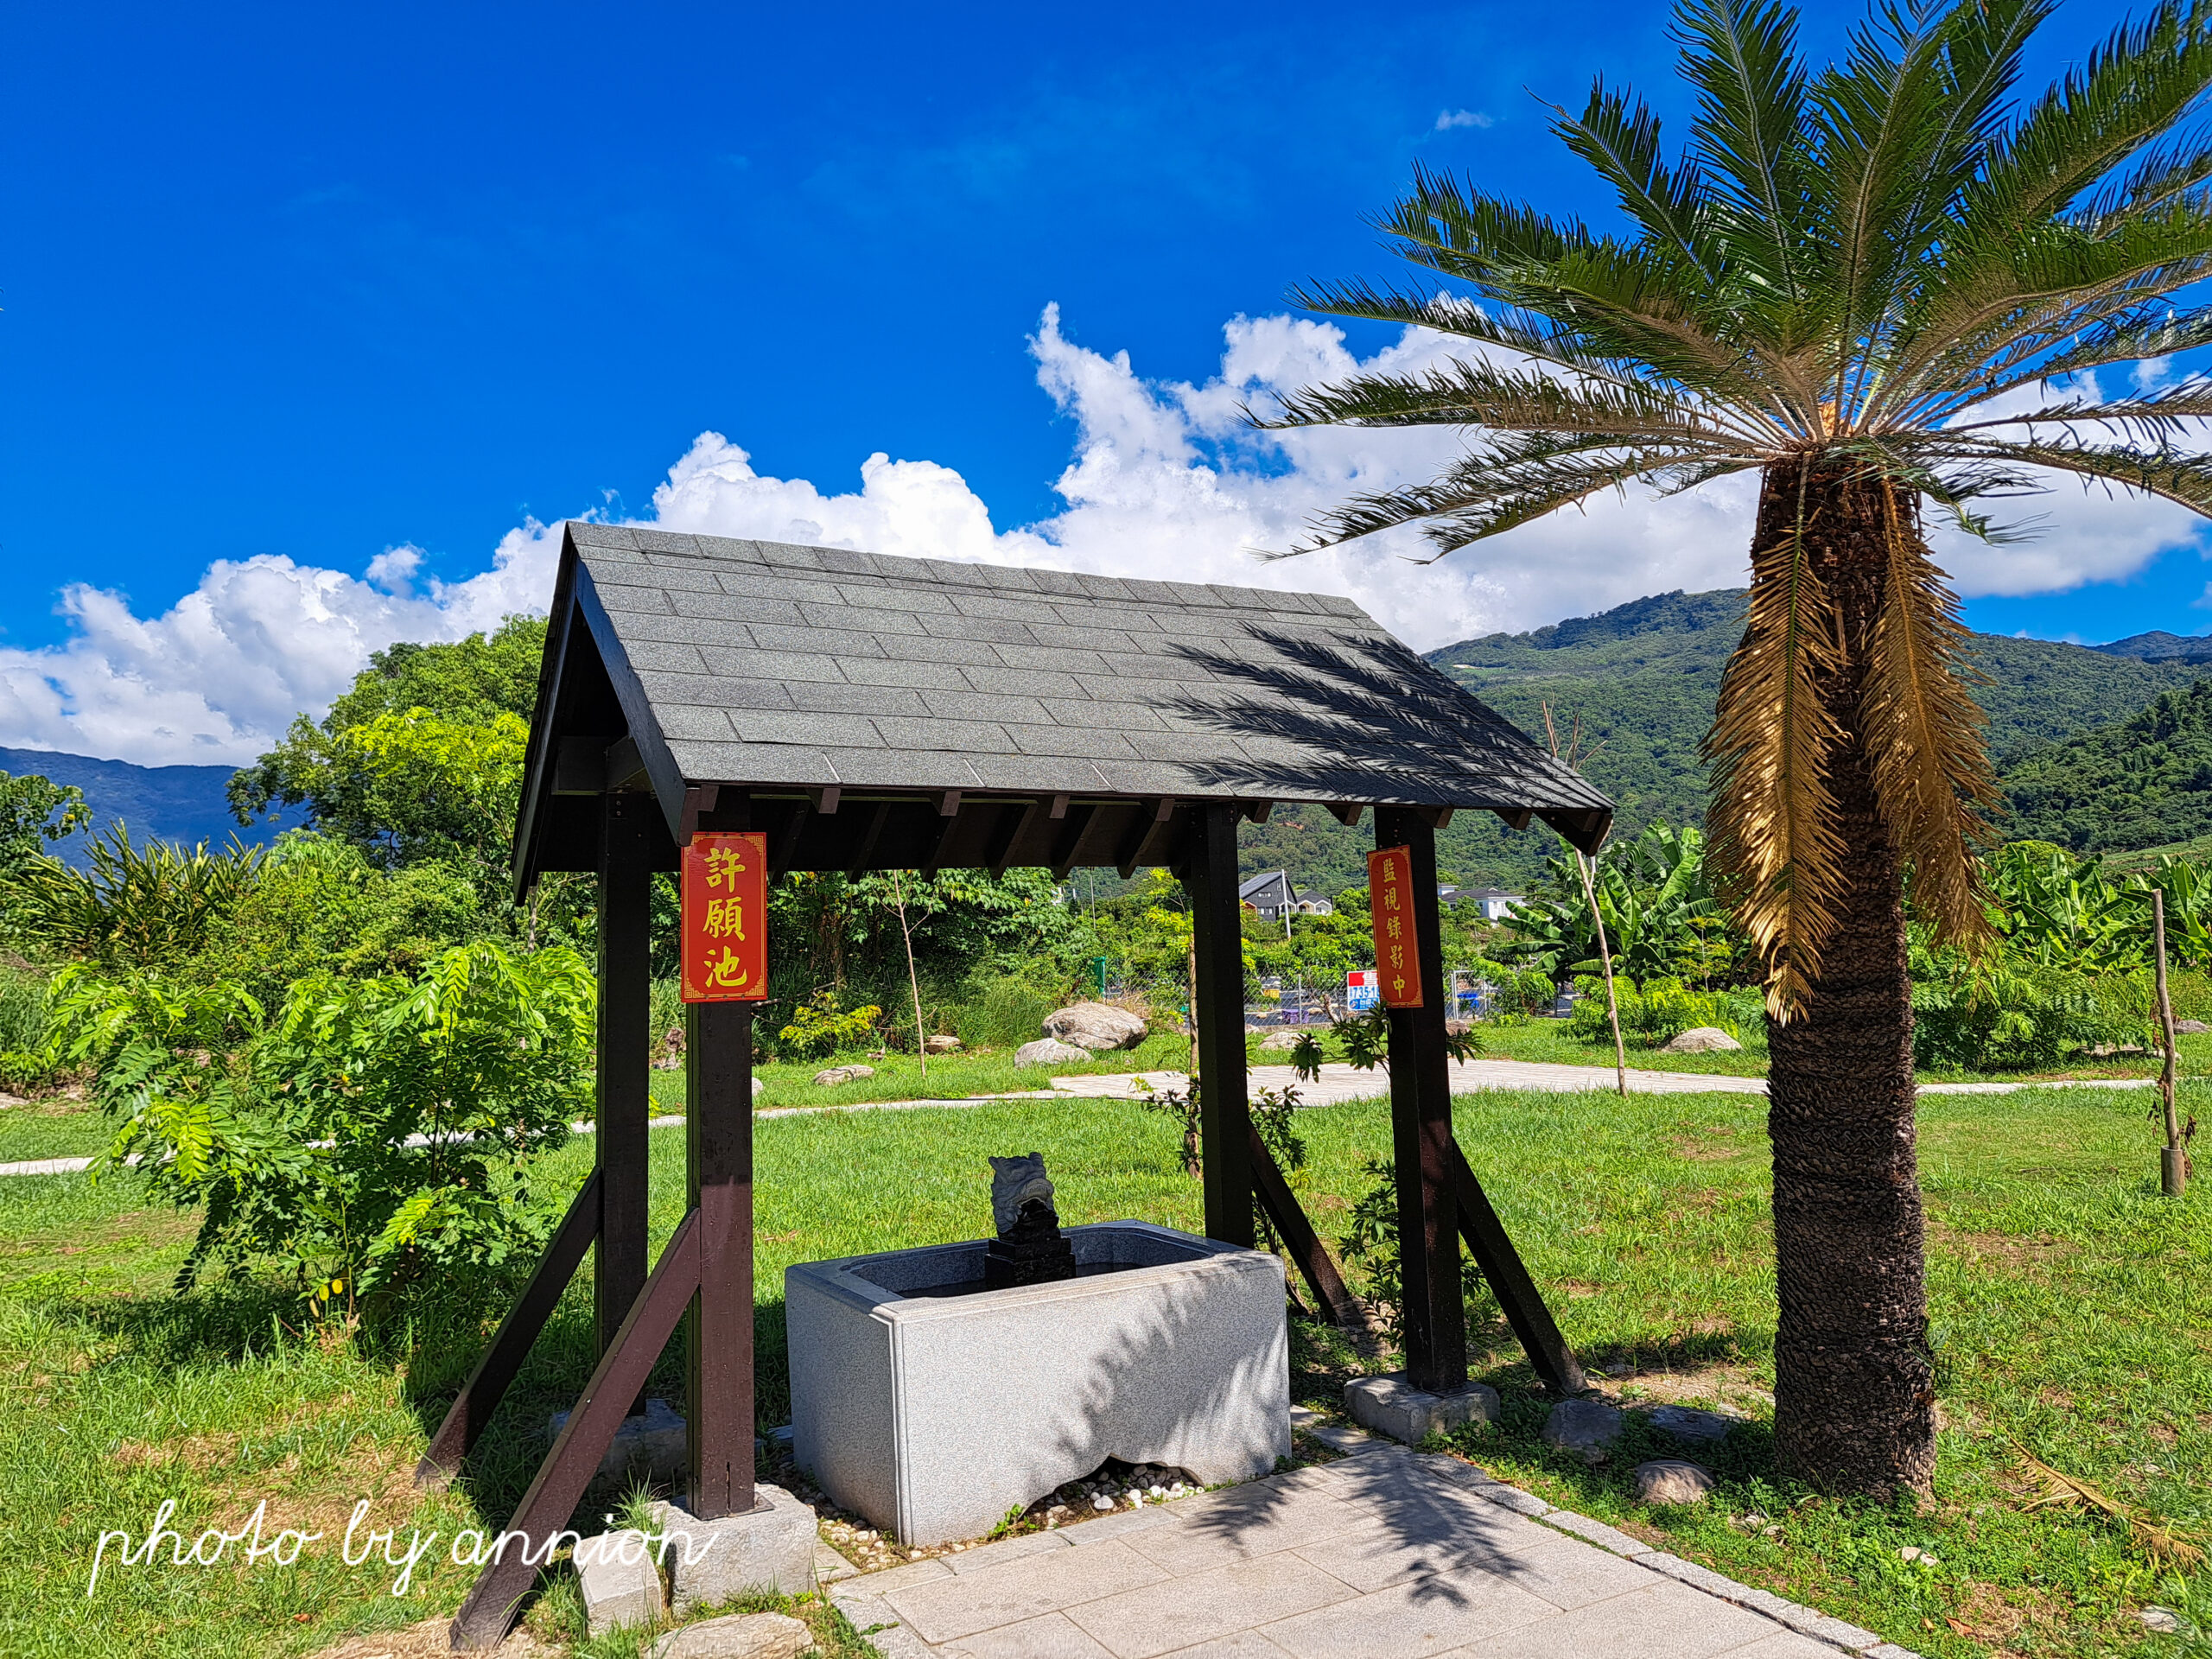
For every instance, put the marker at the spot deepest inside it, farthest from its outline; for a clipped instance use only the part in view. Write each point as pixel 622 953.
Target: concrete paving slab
pixel 959 1605
pixel 1667 1621
pixel 1183 1612
pixel 1385 1553
pixel 1051 1636
pixel 1409 1620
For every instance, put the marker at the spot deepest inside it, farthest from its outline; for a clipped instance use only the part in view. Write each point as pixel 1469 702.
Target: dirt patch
pixel 429 1640
pixel 2018 1255
pixel 1639 1382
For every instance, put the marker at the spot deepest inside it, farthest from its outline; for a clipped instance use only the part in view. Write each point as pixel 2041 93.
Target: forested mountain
pixel 1640 680
pixel 2146 781
pixel 181 803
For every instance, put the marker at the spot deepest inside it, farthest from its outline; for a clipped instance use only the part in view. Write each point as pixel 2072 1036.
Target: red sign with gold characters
pixel 1390 892
pixel 725 917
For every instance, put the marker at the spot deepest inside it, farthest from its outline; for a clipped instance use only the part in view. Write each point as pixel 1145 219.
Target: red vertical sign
pixel 725 917
pixel 1390 892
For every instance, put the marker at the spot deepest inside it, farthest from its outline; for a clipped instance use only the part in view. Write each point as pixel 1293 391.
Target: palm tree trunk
pixel 1854 1387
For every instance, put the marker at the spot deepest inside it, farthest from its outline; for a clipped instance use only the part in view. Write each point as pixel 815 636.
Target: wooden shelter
pixel 867 712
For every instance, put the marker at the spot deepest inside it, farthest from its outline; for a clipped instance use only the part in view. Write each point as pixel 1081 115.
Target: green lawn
pixel 2068 1305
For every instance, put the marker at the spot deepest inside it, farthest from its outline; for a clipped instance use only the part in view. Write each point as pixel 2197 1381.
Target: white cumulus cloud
pixel 1165 479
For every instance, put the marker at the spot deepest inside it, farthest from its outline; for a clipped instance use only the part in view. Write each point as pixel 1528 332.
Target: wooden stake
pixel 1605 961
pixel 921 1041
pixel 2173 1162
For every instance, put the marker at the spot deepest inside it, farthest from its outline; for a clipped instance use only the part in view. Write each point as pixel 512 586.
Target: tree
pixel 1879 285
pixel 36 813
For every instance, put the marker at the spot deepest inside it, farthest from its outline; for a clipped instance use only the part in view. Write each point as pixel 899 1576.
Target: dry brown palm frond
pixel 1922 732
pixel 1774 845
pixel 2056 1489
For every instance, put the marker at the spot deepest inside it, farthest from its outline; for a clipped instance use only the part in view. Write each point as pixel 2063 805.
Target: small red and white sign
pixel 725 894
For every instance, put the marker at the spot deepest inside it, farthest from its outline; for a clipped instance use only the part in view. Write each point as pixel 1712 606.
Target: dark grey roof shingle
pixel 980 677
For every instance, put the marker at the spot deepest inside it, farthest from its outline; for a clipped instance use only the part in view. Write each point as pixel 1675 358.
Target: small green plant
pixel 1370 1245
pixel 821 1027
pixel 1002 1013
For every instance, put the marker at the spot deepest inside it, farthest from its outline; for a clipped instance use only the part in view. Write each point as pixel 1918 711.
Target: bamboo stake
pixel 2173 1161
pixel 914 983
pixel 1586 865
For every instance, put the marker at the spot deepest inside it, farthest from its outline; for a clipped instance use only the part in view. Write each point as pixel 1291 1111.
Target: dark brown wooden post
pixel 718 1135
pixel 1217 938
pixel 624 1055
pixel 1421 1122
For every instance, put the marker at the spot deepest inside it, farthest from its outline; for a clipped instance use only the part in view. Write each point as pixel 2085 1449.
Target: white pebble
pixel 1101 1503
pixel 1157 1492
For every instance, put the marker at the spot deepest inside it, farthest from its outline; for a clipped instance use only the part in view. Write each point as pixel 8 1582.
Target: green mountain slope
pixel 2144 782
pixel 1640 681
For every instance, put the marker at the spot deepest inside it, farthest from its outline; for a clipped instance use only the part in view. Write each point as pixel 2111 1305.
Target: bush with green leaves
pixel 1998 1016
pixel 822 1026
pixel 376 1136
pixel 1003 1011
pixel 1369 1248
pixel 1661 1011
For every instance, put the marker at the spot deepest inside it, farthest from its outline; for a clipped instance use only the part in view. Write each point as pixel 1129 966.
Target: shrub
pixel 1660 1012
pixel 821 1027
pixel 22 1010
pixel 1999 1017
pixel 377 1139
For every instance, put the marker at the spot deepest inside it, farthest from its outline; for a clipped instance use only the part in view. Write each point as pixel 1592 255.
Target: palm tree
pixel 1883 286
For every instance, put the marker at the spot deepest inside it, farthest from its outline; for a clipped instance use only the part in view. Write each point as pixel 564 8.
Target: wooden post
pixel 624 1055
pixel 718 1135
pixel 1217 944
pixel 1435 1317
pixel 2173 1161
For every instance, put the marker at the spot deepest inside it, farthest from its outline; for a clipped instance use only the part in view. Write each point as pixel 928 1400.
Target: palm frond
pixel 1468 233
pixel 1508 480
pixel 2183 479
pixel 1922 730
pixel 1620 139
pixel 2157 417
pixel 1773 843
pixel 2056 1489
pixel 1751 135
pixel 1471 392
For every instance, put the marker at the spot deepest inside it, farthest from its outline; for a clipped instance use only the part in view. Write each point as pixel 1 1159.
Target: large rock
pixel 1584 1426
pixel 1280 1042
pixel 942 1044
pixel 2190 1027
pixel 738 1635
pixel 1702 1040
pixel 1669 1480
pixel 1095 1025
pixel 650 1445
pixel 1688 1423
pixel 837 1074
pixel 1050 1051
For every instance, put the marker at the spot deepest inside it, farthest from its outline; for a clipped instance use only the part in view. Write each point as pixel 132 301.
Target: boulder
pixel 1669 1480
pixel 1095 1025
pixel 1702 1040
pixel 1280 1042
pixel 2190 1027
pixel 620 1583
pixel 1584 1426
pixel 1688 1423
pixel 738 1635
pixel 942 1044
pixel 1049 1051
pixel 757 1087
pixel 837 1074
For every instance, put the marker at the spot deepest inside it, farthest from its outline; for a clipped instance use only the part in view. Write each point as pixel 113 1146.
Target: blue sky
pixel 303 286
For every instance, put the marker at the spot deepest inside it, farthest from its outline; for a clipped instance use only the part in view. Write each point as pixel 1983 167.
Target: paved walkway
pixel 1386 1555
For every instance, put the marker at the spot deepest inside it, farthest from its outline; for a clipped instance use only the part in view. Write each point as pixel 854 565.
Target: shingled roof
pixel 763 667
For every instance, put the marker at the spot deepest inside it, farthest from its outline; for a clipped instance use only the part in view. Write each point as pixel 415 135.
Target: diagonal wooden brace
pixel 479 1397
pixel 1509 1281
pixel 1315 1265
pixel 523 1549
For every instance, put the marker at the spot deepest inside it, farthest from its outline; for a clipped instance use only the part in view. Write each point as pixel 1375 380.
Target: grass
pixel 2068 1303
pixel 950 1076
